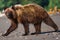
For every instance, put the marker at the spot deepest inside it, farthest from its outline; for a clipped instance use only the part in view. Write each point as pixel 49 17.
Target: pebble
pixel 20 36
pixel 1 15
pixel 26 38
pixel 0 34
pixel 57 38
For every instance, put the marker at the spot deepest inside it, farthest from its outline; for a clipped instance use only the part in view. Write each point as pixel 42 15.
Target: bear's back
pixel 31 12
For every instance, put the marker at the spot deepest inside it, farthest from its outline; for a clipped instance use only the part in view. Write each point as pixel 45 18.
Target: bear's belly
pixel 31 19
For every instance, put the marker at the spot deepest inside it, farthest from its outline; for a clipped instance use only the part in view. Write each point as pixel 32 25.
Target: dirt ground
pixel 17 34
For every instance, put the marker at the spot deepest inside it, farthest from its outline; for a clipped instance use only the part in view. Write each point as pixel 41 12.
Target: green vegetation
pixel 44 3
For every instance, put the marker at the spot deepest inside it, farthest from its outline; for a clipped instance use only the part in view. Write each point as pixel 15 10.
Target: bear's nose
pixel 9 15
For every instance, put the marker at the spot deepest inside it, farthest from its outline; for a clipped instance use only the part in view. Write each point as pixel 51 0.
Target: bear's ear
pixel 5 8
pixel 13 7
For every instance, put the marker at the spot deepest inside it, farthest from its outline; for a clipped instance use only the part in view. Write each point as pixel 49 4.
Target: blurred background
pixel 45 3
pixel 50 5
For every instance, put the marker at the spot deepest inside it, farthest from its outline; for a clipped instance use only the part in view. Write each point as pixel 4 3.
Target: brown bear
pixel 26 14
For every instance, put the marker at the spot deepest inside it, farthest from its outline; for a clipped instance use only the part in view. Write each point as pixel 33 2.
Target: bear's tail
pixel 51 23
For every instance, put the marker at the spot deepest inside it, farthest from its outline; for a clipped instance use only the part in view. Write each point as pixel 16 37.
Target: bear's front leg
pixel 13 26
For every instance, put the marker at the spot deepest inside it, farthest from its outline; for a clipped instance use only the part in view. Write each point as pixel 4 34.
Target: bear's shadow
pixel 45 32
pixel 49 32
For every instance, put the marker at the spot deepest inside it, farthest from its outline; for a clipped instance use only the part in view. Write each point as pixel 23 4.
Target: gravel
pixel 17 34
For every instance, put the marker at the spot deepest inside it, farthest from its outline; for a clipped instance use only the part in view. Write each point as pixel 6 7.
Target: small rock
pixel 1 15
pixel 57 38
pixel 7 22
pixel 0 34
pixel 47 34
pixel 26 38
pixel 20 36
pixel 54 33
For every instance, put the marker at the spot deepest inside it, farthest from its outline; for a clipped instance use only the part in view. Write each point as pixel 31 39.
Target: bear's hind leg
pixel 26 28
pixel 37 28
pixel 50 22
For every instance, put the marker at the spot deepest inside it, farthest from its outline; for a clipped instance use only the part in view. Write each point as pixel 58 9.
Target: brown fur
pixel 30 13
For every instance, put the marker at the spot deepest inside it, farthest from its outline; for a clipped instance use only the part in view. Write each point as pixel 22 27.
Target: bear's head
pixel 9 12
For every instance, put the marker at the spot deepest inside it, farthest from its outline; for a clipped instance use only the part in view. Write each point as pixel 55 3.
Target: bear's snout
pixel 9 15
